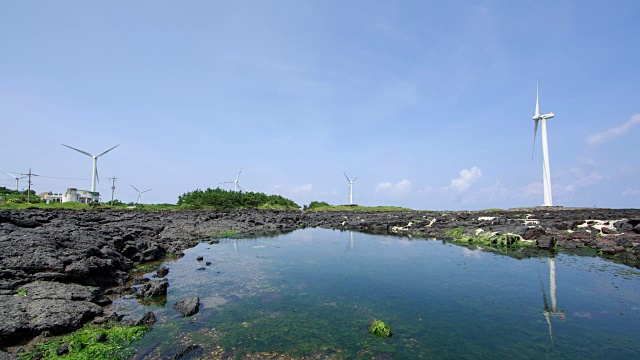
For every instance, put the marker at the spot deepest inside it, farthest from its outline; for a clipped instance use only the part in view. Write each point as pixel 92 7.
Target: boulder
pixel 188 307
pixel 545 242
pixel 153 288
pixel 162 272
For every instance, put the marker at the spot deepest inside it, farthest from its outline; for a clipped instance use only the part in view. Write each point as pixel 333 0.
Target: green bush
pixel 227 200
pixel 315 205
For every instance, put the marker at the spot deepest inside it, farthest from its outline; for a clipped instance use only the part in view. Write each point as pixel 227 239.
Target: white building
pixel 80 196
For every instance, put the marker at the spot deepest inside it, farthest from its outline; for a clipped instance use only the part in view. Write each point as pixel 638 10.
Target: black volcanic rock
pixel 188 307
pixel 66 259
pixel 153 288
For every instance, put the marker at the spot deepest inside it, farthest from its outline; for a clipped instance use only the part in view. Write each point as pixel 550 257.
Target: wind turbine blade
pixel 97 177
pixel 135 188
pixel 145 191
pixel 345 175
pixel 241 188
pixel 354 179
pixel 104 152
pixel 78 150
pixel 13 176
pixel 537 114
pixel 238 177
pixel 535 131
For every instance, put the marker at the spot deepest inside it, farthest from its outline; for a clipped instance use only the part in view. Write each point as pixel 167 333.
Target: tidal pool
pixel 311 293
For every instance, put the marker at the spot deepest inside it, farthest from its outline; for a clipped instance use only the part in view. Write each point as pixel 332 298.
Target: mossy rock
pixel 379 329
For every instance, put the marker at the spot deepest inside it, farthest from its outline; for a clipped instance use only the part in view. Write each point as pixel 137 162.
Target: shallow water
pixel 313 292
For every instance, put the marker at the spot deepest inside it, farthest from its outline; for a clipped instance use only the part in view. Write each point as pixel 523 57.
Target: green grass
pixel 84 345
pixel 22 292
pixel 455 233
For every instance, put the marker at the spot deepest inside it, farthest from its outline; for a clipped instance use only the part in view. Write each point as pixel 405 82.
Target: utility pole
pixel 30 174
pixel 113 186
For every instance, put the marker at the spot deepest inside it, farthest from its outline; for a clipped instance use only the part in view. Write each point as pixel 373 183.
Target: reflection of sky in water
pixel 441 300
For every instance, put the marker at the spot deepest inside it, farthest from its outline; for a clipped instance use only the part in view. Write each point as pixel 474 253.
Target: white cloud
pixel 612 133
pixel 466 179
pixel 426 190
pixel 302 188
pixel 583 178
pixel 631 192
pixel 386 188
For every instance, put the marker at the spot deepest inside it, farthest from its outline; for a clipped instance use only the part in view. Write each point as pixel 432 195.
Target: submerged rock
pixel 184 351
pixel 188 307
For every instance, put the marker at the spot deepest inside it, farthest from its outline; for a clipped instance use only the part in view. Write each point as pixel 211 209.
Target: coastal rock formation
pixel 56 265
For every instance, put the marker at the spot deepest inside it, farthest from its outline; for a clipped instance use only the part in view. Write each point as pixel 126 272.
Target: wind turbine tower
pixel 139 193
pixel 94 175
pixel 350 187
pixel 234 182
pixel 546 171
pixel 17 179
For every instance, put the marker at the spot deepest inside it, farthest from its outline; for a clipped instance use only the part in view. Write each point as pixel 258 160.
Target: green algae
pixel 84 343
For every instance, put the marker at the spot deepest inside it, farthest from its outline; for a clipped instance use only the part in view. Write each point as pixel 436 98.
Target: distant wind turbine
pixel 546 171
pixel 17 179
pixel 350 187
pixel 235 182
pixel 139 193
pixel 94 175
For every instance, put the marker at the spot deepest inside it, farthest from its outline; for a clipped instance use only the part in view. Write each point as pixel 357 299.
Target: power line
pixel 48 177
pixel 30 174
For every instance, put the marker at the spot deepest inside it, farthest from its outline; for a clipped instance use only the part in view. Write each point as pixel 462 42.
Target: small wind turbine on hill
pixel 546 171
pixel 235 182
pixel 17 179
pixel 139 193
pixel 94 175
pixel 350 187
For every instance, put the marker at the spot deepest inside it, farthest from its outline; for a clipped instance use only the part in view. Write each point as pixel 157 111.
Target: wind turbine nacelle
pixel 547 116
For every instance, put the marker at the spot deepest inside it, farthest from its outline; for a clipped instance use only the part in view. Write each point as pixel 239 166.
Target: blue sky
pixel 428 103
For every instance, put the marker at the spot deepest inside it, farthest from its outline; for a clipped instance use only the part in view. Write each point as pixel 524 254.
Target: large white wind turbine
pixel 17 179
pixel 551 311
pixel 94 175
pixel 139 193
pixel 235 182
pixel 350 187
pixel 546 171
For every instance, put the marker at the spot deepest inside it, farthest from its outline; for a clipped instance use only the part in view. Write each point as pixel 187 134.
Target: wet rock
pixel 208 263
pixel 63 349
pixel 199 258
pixel 184 351
pixel 102 337
pixel 162 272
pixel 545 242
pixel 147 319
pixel 533 233
pixel 140 280
pixel 153 288
pixel 188 307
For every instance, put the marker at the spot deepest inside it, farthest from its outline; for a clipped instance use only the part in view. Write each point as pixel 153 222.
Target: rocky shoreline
pixel 58 267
